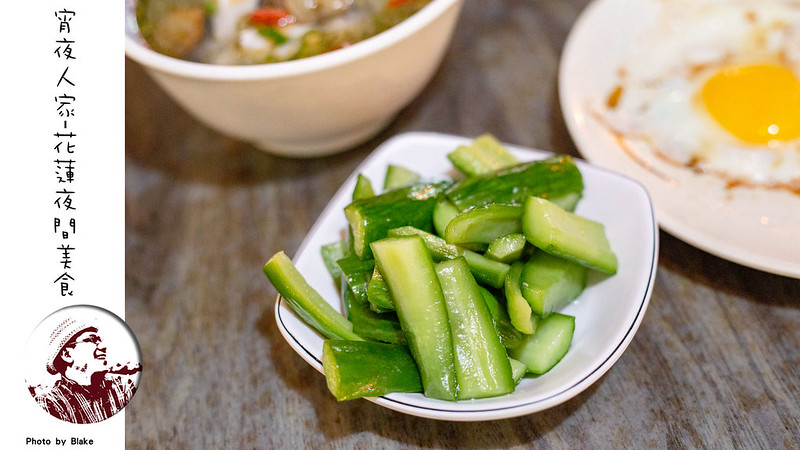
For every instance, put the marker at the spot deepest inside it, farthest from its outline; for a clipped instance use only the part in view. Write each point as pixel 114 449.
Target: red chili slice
pixel 268 16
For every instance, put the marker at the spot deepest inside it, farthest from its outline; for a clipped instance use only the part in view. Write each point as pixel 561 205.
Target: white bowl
pixel 312 106
pixel 607 314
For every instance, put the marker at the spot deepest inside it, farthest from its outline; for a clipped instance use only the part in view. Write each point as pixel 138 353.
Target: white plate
pixel 608 312
pixel 758 228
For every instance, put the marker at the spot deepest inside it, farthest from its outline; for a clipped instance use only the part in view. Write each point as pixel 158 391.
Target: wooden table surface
pixel 715 363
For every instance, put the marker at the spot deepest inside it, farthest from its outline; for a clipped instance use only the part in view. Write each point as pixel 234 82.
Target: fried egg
pixel 714 86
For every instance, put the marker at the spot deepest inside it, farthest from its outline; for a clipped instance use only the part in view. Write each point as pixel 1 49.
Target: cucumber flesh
pixel 485 154
pixel 363 188
pixel 357 273
pixel 331 253
pixel 484 224
pixel 518 369
pixel 368 323
pixel 443 212
pixel 507 248
pixel 482 366
pixel 486 270
pixel 519 310
pixel 409 272
pixel 568 201
pixel 549 282
pixel 378 293
pixel 568 235
pixel 509 335
pixel 399 177
pixel 355 369
pixel 545 348
pixel 440 250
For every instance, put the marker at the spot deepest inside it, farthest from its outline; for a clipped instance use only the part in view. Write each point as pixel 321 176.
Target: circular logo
pixel 83 364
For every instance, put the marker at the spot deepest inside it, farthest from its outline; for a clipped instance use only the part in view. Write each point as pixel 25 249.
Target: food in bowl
pixel 235 32
pixel 714 86
pixel 453 288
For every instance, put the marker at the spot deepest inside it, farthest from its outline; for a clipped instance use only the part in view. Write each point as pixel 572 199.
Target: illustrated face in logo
pixel 87 353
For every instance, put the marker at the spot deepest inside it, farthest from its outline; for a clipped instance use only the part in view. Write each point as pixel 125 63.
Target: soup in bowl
pixel 287 99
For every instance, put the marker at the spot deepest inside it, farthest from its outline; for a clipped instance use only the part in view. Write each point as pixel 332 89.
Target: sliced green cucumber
pixel 399 177
pixel 545 348
pixel 518 369
pixel 378 292
pixel 507 248
pixel 357 272
pixel 363 188
pixel 443 212
pixel 551 178
pixel 485 154
pixel 355 369
pixel 568 235
pixel 486 270
pixel 409 272
pixel 509 336
pixel 440 250
pixel 331 253
pixel 305 301
pixel 482 366
pixel 484 224
pixel 569 201
pixel 549 282
pixel 370 324
pixel 371 218
pixel 519 310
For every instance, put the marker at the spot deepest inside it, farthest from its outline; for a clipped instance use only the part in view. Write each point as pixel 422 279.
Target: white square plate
pixel 607 314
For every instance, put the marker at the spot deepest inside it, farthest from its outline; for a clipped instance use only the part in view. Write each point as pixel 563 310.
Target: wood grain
pixel 716 362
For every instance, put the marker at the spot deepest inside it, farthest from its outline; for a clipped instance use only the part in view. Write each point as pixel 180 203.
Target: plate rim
pixel 494 413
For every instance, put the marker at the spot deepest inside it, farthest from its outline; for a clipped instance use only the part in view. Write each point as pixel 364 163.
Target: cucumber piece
pixel 484 224
pixel 372 325
pixel 371 218
pixel 363 188
pixel 485 154
pixel 568 235
pixel 399 177
pixel 519 310
pixel 507 248
pixel 549 282
pixel 443 212
pixel 486 270
pixel 569 201
pixel 305 301
pixel 440 250
pixel 357 272
pixel 409 272
pixel 518 369
pixel 551 178
pixel 544 349
pixel 482 366
pixel 331 253
pixel 378 292
pixel 509 336
pixel 355 369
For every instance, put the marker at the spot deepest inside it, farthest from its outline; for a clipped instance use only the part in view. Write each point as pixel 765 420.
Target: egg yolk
pixel 756 103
